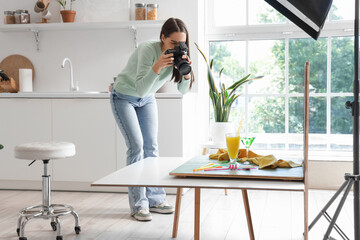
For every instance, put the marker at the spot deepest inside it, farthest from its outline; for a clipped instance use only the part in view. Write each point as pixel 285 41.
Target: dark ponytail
pixel 176 25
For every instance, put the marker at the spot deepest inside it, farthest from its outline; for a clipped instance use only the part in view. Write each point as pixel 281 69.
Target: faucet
pixel 73 87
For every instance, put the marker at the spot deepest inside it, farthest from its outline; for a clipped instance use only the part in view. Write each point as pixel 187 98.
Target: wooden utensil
pixel 11 65
pixel 9 86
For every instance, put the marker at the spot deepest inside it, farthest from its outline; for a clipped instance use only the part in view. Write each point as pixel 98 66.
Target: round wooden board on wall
pixel 11 65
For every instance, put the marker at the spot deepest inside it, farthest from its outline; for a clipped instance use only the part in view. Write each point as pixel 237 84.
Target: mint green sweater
pixel 139 79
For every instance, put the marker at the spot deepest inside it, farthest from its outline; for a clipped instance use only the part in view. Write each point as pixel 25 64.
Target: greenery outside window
pixel 262 42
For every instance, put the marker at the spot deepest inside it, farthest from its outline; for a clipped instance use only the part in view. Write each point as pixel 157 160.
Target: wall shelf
pixel 35 28
pixel 79 26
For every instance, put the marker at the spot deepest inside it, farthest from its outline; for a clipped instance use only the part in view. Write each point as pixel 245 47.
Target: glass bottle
pixel 152 11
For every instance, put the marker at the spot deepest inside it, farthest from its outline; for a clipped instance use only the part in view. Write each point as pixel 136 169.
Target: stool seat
pixel 44 150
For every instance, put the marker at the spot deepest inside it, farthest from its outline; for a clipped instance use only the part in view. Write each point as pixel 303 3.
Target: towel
pixel 268 161
pixel 222 155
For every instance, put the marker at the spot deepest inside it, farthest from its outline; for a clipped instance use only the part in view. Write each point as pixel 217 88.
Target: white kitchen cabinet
pixel 22 120
pixel 89 124
pixel 177 126
pixel 170 127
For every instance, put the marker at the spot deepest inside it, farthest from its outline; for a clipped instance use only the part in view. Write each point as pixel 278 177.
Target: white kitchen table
pixel 154 172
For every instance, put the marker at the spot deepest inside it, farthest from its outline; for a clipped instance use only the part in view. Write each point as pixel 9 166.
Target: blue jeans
pixel 137 119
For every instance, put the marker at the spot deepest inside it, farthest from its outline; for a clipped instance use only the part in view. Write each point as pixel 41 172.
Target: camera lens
pixel 184 67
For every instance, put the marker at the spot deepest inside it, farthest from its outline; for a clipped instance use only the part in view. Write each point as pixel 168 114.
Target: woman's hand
pixel 165 60
pixel 187 77
pixel 187 58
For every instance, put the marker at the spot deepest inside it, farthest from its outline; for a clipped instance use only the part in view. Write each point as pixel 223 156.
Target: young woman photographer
pixel 135 110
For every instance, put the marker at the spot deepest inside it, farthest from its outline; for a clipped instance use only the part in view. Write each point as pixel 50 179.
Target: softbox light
pixel 309 15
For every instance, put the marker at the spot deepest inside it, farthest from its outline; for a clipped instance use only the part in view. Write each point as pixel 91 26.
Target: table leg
pixel 177 212
pixel 248 214
pixel 306 224
pixel 197 214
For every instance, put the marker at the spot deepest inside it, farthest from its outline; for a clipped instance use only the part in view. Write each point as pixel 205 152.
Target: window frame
pixel 285 31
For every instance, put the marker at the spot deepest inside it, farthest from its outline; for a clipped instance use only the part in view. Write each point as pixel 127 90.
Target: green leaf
pixel 242 81
pixel 1 146
pixel 223 100
pixel 209 72
pixel 228 108
pixel 62 3
pixel 239 82
pixel 220 71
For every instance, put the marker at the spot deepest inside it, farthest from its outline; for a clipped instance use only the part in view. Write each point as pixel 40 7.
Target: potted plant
pixel 222 101
pixel 67 15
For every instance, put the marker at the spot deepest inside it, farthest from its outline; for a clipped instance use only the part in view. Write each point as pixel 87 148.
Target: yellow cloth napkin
pixel 222 155
pixel 268 161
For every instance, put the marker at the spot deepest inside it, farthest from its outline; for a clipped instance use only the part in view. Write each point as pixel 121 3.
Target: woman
pixel 135 110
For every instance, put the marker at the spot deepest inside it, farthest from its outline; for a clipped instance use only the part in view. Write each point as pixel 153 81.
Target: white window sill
pixel 326 156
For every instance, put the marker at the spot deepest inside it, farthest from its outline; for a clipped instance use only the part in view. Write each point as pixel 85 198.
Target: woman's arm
pixel 145 75
pixel 149 68
pixel 184 86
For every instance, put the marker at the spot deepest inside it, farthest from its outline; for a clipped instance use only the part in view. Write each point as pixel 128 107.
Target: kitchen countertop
pixel 71 95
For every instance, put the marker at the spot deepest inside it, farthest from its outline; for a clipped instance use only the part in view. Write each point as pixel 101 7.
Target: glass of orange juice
pixel 232 143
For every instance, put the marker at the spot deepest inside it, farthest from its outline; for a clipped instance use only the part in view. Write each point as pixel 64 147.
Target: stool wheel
pixel 59 238
pixel 22 238
pixel 77 229
pixel 53 226
pixel 18 231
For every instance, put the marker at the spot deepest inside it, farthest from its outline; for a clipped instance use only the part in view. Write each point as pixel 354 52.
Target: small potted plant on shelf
pixel 67 15
pixel 222 101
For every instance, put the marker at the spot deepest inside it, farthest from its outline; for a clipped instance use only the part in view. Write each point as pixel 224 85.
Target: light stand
pixel 310 15
pixel 350 179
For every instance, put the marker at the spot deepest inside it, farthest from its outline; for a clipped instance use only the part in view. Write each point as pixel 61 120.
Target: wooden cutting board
pixel 11 65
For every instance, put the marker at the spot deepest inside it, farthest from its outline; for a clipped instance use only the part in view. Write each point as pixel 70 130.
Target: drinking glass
pixel 247 141
pixel 232 143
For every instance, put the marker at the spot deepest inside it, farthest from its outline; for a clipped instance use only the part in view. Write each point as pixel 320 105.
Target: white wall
pixel 97 55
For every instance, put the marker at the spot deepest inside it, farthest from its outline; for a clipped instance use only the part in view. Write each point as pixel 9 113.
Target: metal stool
pixel 45 151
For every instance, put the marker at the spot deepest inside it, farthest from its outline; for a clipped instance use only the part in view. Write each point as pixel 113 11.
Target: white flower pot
pixel 218 131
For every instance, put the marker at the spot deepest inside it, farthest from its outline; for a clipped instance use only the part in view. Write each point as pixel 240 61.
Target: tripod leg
pixel 337 228
pixel 338 209
pixel 356 211
pixel 328 204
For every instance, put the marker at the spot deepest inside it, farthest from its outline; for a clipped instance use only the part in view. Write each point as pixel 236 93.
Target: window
pixel 249 36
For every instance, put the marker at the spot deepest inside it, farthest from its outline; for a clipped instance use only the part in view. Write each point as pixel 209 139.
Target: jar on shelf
pixel 140 11
pixel 17 15
pixel 9 17
pixel 152 11
pixel 25 16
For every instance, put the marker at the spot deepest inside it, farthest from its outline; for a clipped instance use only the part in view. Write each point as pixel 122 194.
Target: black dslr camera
pixel 182 64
